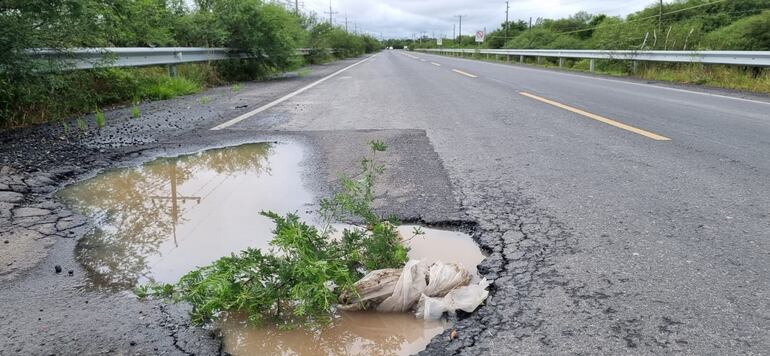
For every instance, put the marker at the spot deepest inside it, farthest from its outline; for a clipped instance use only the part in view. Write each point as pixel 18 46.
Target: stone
pixel 19 188
pixel 27 212
pixel 70 222
pixel 4 186
pixel 57 269
pixel 10 197
pixel 46 229
pixel 39 181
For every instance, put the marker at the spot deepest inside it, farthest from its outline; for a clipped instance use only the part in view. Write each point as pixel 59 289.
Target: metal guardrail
pixel 744 58
pixel 87 58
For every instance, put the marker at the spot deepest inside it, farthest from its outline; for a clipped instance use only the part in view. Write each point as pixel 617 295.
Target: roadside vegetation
pixel 677 25
pixel 270 32
pixel 299 282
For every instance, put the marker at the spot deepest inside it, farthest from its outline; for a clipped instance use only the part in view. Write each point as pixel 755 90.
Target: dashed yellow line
pixel 435 64
pixel 464 73
pixel 605 120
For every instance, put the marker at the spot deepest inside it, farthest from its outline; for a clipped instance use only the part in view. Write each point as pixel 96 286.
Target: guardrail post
pixel 172 70
pixel 561 62
pixel 521 59
pixel 539 60
pixel 635 66
pixel 592 65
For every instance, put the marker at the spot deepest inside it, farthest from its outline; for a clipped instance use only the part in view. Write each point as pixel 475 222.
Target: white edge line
pixel 521 67
pixel 284 98
pixel 435 64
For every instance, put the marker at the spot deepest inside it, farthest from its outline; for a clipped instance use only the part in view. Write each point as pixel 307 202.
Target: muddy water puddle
pixel 160 220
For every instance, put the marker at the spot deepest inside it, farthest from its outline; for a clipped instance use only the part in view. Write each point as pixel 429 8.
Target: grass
pixel 99 118
pixel 205 100
pixel 163 88
pixel 303 72
pixel 236 87
pixel 135 112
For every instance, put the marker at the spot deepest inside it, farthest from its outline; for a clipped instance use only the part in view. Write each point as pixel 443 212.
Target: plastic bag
pixel 443 277
pixel 466 298
pixel 371 290
pixel 410 286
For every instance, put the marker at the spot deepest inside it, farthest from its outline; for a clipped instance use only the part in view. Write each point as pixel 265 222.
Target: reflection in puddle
pixel 158 221
pixel 161 220
pixel 351 333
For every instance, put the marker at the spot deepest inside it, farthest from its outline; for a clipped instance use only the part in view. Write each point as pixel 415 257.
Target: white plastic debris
pixel 466 298
pixel 443 277
pixel 408 289
pixel 431 290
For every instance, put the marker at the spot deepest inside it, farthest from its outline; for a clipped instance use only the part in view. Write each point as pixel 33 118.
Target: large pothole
pixel 158 221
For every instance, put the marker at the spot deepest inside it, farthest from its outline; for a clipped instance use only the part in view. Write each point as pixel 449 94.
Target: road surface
pixel 625 216
pixel 619 216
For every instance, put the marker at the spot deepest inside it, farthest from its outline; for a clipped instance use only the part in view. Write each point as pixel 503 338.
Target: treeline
pixel 678 25
pixel 268 31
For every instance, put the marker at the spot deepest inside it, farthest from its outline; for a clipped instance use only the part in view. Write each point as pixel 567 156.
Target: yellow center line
pixel 435 64
pixel 463 73
pixel 605 120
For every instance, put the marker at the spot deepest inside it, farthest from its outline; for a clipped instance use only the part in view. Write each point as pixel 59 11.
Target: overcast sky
pixel 402 18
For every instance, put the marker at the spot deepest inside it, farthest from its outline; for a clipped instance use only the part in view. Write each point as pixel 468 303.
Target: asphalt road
pixel 619 216
pixel 622 216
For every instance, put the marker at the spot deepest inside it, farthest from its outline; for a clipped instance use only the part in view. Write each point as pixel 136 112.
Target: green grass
pixel 303 72
pixel 99 118
pixel 135 112
pixel 205 100
pixel 164 88
pixel 236 87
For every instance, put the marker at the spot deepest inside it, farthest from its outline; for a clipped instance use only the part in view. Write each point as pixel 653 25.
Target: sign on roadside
pixel 480 35
pixel 439 41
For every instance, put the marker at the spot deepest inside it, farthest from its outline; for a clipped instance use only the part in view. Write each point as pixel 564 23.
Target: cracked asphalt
pixel 600 240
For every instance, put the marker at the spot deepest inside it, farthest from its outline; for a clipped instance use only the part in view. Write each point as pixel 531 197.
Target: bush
pixel 299 283
pixel 751 34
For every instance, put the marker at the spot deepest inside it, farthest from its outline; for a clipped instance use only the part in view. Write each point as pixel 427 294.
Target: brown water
pixel 351 333
pixel 158 221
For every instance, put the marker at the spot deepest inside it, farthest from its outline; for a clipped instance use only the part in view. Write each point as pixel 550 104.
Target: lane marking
pixel 284 98
pixel 422 60
pixel 605 120
pixel 435 64
pixel 517 66
pixel 464 73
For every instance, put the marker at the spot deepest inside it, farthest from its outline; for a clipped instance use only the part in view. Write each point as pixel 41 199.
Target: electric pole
pixel 460 32
pixel 296 7
pixel 506 20
pixel 660 15
pixel 331 13
pixel 346 22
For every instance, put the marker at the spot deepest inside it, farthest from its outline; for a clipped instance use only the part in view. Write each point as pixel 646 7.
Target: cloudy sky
pixel 402 18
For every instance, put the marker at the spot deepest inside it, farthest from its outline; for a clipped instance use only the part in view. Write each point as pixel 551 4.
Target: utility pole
pixel 331 13
pixel 506 20
pixel 296 7
pixel 660 15
pixel 460 32
pixel 346 22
